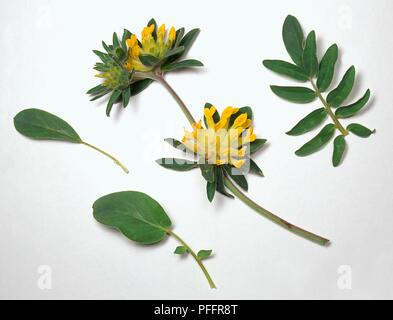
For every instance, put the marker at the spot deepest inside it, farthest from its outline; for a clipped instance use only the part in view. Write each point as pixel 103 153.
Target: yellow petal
pixel 172 35
pixel 161 32
pixel 240 120
pixel 238 163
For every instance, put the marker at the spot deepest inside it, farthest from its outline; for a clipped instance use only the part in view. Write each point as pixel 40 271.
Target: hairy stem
pixel 337 123
pixel 108 155
pixel 198 261
pixel 272 217
pixel 160 78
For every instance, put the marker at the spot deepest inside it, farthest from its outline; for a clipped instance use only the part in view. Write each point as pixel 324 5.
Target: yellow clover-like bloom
pixel 148 45
pixel 224 141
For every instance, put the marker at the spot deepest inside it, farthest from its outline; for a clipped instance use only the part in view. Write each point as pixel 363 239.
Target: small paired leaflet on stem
pixel 143 220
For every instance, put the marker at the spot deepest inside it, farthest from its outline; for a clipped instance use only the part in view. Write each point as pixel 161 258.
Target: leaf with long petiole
pixel 41 125
pixel 142 219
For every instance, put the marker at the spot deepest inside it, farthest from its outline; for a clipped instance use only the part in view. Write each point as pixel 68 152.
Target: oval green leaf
pixel 136 215
pixel 318 142
pixel 338 152
pixel 310 122
pixel 42 125
pixel 177 164
pixel 360 130
pixel 310 60
pixel 326 68
pixel 148 60
pixel 287 69
pixel 349 111
pixel 338 95
pixel 293 37
pixel 203 254
pixel 180 250
pixel 295 94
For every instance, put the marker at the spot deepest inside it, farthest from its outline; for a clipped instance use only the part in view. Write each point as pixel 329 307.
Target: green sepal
pixel 177 164
pixel 211 190
pixel 220 187
pixel 239 179
pixel 208 172
pixel 112 100
pixel 256 145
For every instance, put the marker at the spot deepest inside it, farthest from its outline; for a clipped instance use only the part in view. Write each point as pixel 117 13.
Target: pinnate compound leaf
pixel 287 69
pixel 136 215
pixel 180 250
pixel 203 254
pixel 293 37
pixel 339 148
pixel 360 130
pixel 295 94
pixel 310 60
pixel 42 125
pixel 351 110
pixel 326 68
pixel 318 142
pixel 310 122
pixel 177 164
pixel 338 95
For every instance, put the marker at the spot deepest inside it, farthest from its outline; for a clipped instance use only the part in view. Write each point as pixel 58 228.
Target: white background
pixel 47 189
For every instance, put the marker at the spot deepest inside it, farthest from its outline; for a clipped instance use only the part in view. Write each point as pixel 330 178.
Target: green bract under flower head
pixel 129 65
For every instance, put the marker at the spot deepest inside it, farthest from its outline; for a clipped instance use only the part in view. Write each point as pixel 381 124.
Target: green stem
pixel 160 78
pixel 337 123
pixel 272 217
pixel 106 154
pixel 199 262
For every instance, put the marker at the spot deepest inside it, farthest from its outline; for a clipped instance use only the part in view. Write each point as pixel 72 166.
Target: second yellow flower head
pixel 225 139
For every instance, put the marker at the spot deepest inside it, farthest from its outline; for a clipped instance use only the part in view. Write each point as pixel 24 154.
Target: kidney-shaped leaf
pixel 139 217
pixel 42 125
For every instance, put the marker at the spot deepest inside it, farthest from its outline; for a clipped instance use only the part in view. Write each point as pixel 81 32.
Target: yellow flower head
pixel 154 42
pixel 224 140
